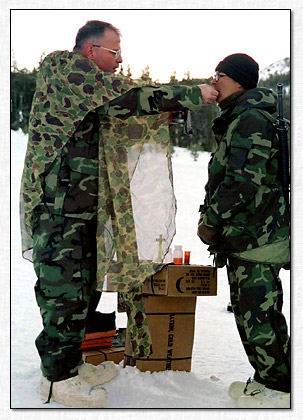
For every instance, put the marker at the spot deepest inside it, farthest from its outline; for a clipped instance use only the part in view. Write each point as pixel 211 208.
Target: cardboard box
pixel 183 280
pixel 97 356
pixel 171 323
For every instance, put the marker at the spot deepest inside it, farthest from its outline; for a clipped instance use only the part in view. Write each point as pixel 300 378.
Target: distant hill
pixel 277 68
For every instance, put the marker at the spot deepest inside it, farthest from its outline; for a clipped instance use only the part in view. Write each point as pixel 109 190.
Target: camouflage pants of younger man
pixel 65 265
pixel 257 298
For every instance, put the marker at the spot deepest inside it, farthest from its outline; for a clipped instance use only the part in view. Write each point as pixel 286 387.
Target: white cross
pixel 160 240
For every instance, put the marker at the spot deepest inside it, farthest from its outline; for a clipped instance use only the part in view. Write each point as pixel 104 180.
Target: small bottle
pixel 178 254
pixel 186 257
pixel 169 257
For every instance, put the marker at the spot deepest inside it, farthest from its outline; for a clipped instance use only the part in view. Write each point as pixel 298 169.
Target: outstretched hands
pixel 209 94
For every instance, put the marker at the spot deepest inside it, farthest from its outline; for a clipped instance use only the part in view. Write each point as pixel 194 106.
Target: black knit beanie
pixel 241 68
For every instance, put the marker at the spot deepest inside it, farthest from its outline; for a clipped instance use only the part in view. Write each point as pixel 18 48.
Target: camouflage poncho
pixel 244 201
pixel 68 87
pixel 136 203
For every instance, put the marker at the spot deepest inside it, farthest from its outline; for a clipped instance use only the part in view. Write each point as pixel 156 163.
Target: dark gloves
pixel 208 236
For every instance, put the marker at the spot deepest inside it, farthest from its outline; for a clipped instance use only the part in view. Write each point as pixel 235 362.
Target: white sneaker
pixel 98 375
pixel 268 398
pixel 237 389
pixel 74 392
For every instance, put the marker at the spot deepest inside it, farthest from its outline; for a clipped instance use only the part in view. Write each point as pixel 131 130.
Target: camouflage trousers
pixel 257 299
pixel 66 294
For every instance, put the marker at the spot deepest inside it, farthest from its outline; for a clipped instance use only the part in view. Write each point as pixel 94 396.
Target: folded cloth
pixel 100 335
pixel 97 343
pixel 101 339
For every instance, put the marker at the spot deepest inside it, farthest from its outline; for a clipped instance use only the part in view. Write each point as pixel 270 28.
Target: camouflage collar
pixel 259 98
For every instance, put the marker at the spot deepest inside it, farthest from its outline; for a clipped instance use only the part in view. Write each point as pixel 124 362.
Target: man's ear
pixel 88 51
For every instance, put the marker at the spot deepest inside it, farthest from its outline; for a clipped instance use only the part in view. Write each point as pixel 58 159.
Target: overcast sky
pixel 166 40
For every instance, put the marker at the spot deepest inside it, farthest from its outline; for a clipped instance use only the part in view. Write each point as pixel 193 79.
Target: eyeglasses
pixel 116 52
pixel 218 75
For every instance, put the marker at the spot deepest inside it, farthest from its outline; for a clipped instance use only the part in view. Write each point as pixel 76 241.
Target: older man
pixel 60 191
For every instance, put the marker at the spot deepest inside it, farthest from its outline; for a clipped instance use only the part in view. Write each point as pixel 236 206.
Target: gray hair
pixel 92 29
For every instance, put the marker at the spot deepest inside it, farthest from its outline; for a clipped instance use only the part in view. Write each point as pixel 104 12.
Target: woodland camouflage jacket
pixel 244 200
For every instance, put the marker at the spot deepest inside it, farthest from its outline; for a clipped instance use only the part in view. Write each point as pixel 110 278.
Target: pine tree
pixel 145 75
pixel 23 83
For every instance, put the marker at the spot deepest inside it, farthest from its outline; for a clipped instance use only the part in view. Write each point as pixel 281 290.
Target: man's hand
pixel 209 94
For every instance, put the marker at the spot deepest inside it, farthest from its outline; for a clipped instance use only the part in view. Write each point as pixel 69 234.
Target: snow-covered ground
pixel 218 356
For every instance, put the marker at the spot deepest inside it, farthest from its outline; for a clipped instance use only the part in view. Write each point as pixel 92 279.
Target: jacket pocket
pixel 57 238
pixel 238 152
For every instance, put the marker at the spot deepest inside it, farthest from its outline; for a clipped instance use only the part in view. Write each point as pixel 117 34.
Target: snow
pixel 218 356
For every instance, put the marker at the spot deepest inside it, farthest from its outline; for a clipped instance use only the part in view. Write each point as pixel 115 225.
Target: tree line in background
pixel 23 84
